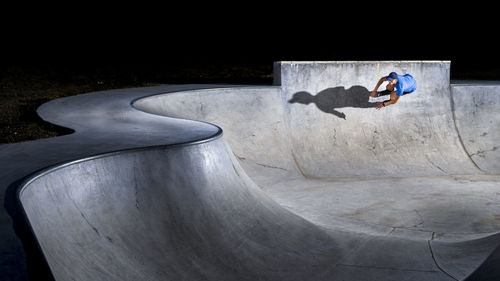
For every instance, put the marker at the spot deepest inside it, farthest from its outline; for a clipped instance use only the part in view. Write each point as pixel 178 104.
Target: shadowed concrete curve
pixel 290 192
pixel 177 213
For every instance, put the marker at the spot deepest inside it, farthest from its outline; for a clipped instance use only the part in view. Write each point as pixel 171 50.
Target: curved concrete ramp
pixel 327 138
pixel 312 184
pixel 180 213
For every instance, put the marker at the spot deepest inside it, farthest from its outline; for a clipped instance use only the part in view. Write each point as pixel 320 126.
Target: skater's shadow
pixel 331 99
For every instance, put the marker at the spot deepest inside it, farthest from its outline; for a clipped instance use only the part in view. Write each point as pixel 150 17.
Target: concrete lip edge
pixel 47 170
pixel 367 62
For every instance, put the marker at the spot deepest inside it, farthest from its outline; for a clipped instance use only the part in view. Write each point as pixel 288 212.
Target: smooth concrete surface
pixel 104 122
pixel 187 217
pixel 308 182
pixel 479 130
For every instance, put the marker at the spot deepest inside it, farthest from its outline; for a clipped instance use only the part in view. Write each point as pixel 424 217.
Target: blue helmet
pixel 391 76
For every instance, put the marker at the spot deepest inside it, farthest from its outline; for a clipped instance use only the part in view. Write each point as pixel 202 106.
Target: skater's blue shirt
pixel 406 83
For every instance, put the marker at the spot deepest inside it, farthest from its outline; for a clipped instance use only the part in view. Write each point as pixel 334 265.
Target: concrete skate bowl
pixel 308 182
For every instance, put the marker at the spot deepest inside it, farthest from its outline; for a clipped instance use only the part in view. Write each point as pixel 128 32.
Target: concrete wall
pixel 252 120
pixel 335 132
pixel 318 122
pixel 477 112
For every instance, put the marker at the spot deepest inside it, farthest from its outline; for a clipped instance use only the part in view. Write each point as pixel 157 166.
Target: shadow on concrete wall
pixel 37 267
pixel 331 99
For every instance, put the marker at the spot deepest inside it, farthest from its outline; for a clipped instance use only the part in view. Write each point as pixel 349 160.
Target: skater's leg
pixel 384 93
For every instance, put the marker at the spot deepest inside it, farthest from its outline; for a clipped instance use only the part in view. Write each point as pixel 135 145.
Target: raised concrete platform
pixel 309 181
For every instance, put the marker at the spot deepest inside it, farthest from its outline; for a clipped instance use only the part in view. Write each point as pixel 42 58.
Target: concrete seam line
pixel 452 102
pixel 436 263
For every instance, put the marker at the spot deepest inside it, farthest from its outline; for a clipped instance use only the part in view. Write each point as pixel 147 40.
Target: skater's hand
pixel 374 93
pixel 379 105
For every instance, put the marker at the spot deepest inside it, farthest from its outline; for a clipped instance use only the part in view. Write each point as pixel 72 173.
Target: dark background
pixel 48 52
pixel 217 33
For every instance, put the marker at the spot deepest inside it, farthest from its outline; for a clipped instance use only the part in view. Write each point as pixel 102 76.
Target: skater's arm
pixel 394 99
pixel 374 92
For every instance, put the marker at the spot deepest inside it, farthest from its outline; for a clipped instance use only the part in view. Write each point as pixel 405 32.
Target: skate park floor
pixel 417 208
pixel 261 187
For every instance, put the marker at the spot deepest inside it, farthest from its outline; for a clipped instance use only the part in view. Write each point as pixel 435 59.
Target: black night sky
pixel 86 36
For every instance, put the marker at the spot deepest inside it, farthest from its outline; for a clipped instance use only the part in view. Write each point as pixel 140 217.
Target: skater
pixel 397 86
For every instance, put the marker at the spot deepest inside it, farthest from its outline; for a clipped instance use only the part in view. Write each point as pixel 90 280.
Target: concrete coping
pixel 365 62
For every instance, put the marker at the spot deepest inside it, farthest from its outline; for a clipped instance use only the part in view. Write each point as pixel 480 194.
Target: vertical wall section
pixel 335 132
pixel 477 113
